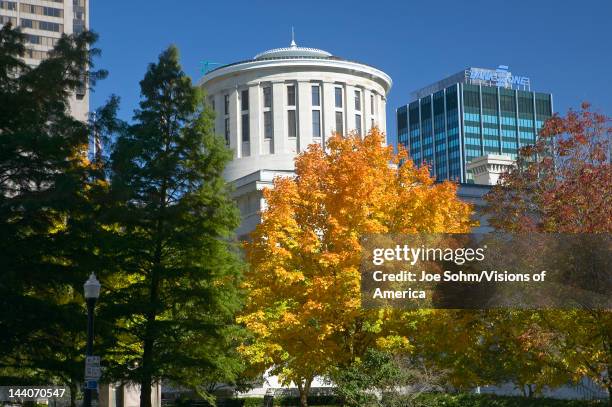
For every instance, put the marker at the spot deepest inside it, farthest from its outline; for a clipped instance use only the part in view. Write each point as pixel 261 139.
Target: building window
pixel 227 131
pixel 8 5
pixel 45 25
pixel 338 97
pixel 52 12
pixel 35 54
pixel 372 104
pixel 41 40
pixel 211 102
pixel 268 125
pixel 41 25
pixel 226 104
pixel 244 100
pixel 316 123
pixel 372 124
pixel 6 20
pixel 40 10
pixel 358 123
pixel 267 95
pixel 245 128
pixel 290 95
pixel 357 100
pixel 292 129
pixel 25 23
pixel 316 95
pixel 339 123
pixel 33 39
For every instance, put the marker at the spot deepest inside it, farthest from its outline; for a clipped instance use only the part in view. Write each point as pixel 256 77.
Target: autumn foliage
pixel 304 283
pixel 561 184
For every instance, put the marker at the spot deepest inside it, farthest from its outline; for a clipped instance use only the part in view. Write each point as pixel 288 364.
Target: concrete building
pixel 44 22
pixel 271 107
pixel 474 113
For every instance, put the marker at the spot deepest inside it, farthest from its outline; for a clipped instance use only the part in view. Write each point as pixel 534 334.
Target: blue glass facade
pixel 448 128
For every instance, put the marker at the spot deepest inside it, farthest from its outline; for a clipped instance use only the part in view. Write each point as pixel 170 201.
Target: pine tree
pixel 170 216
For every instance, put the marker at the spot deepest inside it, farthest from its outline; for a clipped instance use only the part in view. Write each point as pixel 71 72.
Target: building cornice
pixel 318 63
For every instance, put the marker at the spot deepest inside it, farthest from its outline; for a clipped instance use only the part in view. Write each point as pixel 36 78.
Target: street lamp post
pixel 92 292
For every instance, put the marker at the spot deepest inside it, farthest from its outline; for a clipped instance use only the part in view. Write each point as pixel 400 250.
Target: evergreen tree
pixel 170 216
pixel 45 180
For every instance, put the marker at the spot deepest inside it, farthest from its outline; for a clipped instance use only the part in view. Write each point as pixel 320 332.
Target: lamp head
pixel 92 287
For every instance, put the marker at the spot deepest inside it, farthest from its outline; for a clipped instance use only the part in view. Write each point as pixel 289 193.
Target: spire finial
pixel 293 44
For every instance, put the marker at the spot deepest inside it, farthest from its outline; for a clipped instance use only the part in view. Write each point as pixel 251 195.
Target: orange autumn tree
pixel 304 300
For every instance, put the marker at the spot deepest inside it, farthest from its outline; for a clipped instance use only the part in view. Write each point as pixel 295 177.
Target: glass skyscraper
pixel 471 114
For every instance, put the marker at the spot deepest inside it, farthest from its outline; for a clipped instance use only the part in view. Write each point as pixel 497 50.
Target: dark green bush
pixel 312 401
pixel 242 402
pixel 425 400
pixel 253 402
pixel 485 400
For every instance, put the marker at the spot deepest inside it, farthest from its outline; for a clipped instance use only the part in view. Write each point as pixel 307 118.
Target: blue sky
pixel 565 47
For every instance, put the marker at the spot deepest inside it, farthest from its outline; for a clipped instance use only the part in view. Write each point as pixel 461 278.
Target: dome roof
pixel 293 51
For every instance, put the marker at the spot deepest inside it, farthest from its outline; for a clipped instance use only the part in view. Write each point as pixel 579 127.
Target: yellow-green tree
pixel 304 301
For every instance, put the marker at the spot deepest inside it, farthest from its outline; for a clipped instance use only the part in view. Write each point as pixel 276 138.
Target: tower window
pixel 292 125
pixel 339 123
pixel 291 95
pixel 267 94
pixel 244 100
pixel 338 95
pixel 316 95
pixel 268 125
pixel 316 123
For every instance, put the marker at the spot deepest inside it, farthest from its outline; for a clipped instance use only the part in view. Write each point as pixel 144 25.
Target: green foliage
pixel 45 211
pixel 312 401
pixel 244 402
pixel 381 375
pixel 475 400
pixel 172 267
pixel 429 400
pixel 377 370
pixel 252 402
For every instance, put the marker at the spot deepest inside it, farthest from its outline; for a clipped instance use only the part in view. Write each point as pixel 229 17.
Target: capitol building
pixel 272 107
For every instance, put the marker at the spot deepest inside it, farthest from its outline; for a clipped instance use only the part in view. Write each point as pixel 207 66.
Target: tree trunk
pixel 304 389
pixel 147 353
pixel 303 399
pixel 145 392
pixel 73 390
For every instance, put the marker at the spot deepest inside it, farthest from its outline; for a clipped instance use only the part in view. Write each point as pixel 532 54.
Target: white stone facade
pixel 487 169
pixel 272 107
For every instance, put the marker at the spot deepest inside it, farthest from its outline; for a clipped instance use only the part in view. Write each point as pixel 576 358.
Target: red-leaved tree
pixel 563 184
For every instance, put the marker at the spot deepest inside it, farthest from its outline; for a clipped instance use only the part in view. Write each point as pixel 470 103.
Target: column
pixel 234 116
pixel 367 111
pixel 279 117
pixel 255 119
pixel 349 108
pixel 328 111
pixel 219 117
pixel 382 116
pixel 304 115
